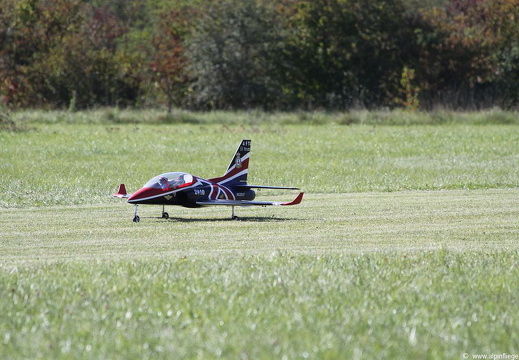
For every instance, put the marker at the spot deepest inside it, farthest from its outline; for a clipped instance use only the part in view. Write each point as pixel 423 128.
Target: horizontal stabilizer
pixel 121 193
pixel 296 201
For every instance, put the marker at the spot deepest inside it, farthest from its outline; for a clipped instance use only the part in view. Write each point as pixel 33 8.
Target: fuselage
pixel 184 189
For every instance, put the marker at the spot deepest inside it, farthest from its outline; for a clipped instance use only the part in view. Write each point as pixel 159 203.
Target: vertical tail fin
pixel 239 167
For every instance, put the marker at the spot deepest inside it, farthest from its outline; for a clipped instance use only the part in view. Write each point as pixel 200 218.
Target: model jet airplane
pixel 180 188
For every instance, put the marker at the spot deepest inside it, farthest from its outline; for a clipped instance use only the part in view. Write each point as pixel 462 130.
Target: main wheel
pixel 136 219
pixel 165 215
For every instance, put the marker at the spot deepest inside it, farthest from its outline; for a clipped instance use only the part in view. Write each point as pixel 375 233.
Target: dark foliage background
pixel 265 54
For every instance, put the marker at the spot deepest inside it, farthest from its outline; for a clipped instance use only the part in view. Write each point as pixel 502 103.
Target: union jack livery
pixel 180 188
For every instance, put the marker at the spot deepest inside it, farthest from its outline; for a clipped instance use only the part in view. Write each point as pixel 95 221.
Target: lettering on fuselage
pixel 245 195
pixel 199 191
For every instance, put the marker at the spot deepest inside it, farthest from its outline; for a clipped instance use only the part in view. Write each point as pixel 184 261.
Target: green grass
pixel 83 164
pixel 178 116
pixel 405 245
pixel 280 306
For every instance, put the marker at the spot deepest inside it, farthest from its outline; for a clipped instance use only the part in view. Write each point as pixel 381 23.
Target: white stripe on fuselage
pixel 169 192
pixel 241 173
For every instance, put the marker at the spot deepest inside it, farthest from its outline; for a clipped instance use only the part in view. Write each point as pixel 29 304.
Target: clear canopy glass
pixel 170 181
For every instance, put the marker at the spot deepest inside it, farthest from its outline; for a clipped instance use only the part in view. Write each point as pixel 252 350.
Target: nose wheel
pixel 136 217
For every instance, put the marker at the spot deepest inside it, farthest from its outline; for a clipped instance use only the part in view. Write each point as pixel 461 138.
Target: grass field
pixel 405 245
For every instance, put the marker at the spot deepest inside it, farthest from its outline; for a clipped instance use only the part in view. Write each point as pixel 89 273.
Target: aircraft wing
pixel 296 201
pixel 246 186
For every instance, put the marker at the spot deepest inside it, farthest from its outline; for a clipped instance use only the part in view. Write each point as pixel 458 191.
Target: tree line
pixel 266 54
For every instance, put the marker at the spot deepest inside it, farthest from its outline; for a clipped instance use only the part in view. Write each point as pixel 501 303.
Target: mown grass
pixel 459 220
pixel 405 245
pixel 387 275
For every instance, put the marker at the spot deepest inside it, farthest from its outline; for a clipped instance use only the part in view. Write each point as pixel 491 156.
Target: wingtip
pixel 296 201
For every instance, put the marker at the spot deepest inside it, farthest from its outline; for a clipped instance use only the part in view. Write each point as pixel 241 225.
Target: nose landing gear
pixel 136 217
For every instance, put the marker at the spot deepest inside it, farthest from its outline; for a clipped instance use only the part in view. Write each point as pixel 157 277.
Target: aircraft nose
pixel 143 194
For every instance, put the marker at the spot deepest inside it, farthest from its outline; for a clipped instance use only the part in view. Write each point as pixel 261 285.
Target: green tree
pixel 233 56
pixel 349 52
pixel 83 67
pixel 504 20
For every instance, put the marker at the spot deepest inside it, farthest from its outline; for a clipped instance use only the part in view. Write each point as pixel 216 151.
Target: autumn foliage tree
pixel 269 54
pixel 31 31
pixel 169 64
pixel 84 70
pixel 463 59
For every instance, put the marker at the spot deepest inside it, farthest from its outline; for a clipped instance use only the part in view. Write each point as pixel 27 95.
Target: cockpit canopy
pixel 170 181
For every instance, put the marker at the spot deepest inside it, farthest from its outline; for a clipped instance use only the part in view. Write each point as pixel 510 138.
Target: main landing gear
pixel 165 215
pixel 136 217
pixel 234 217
